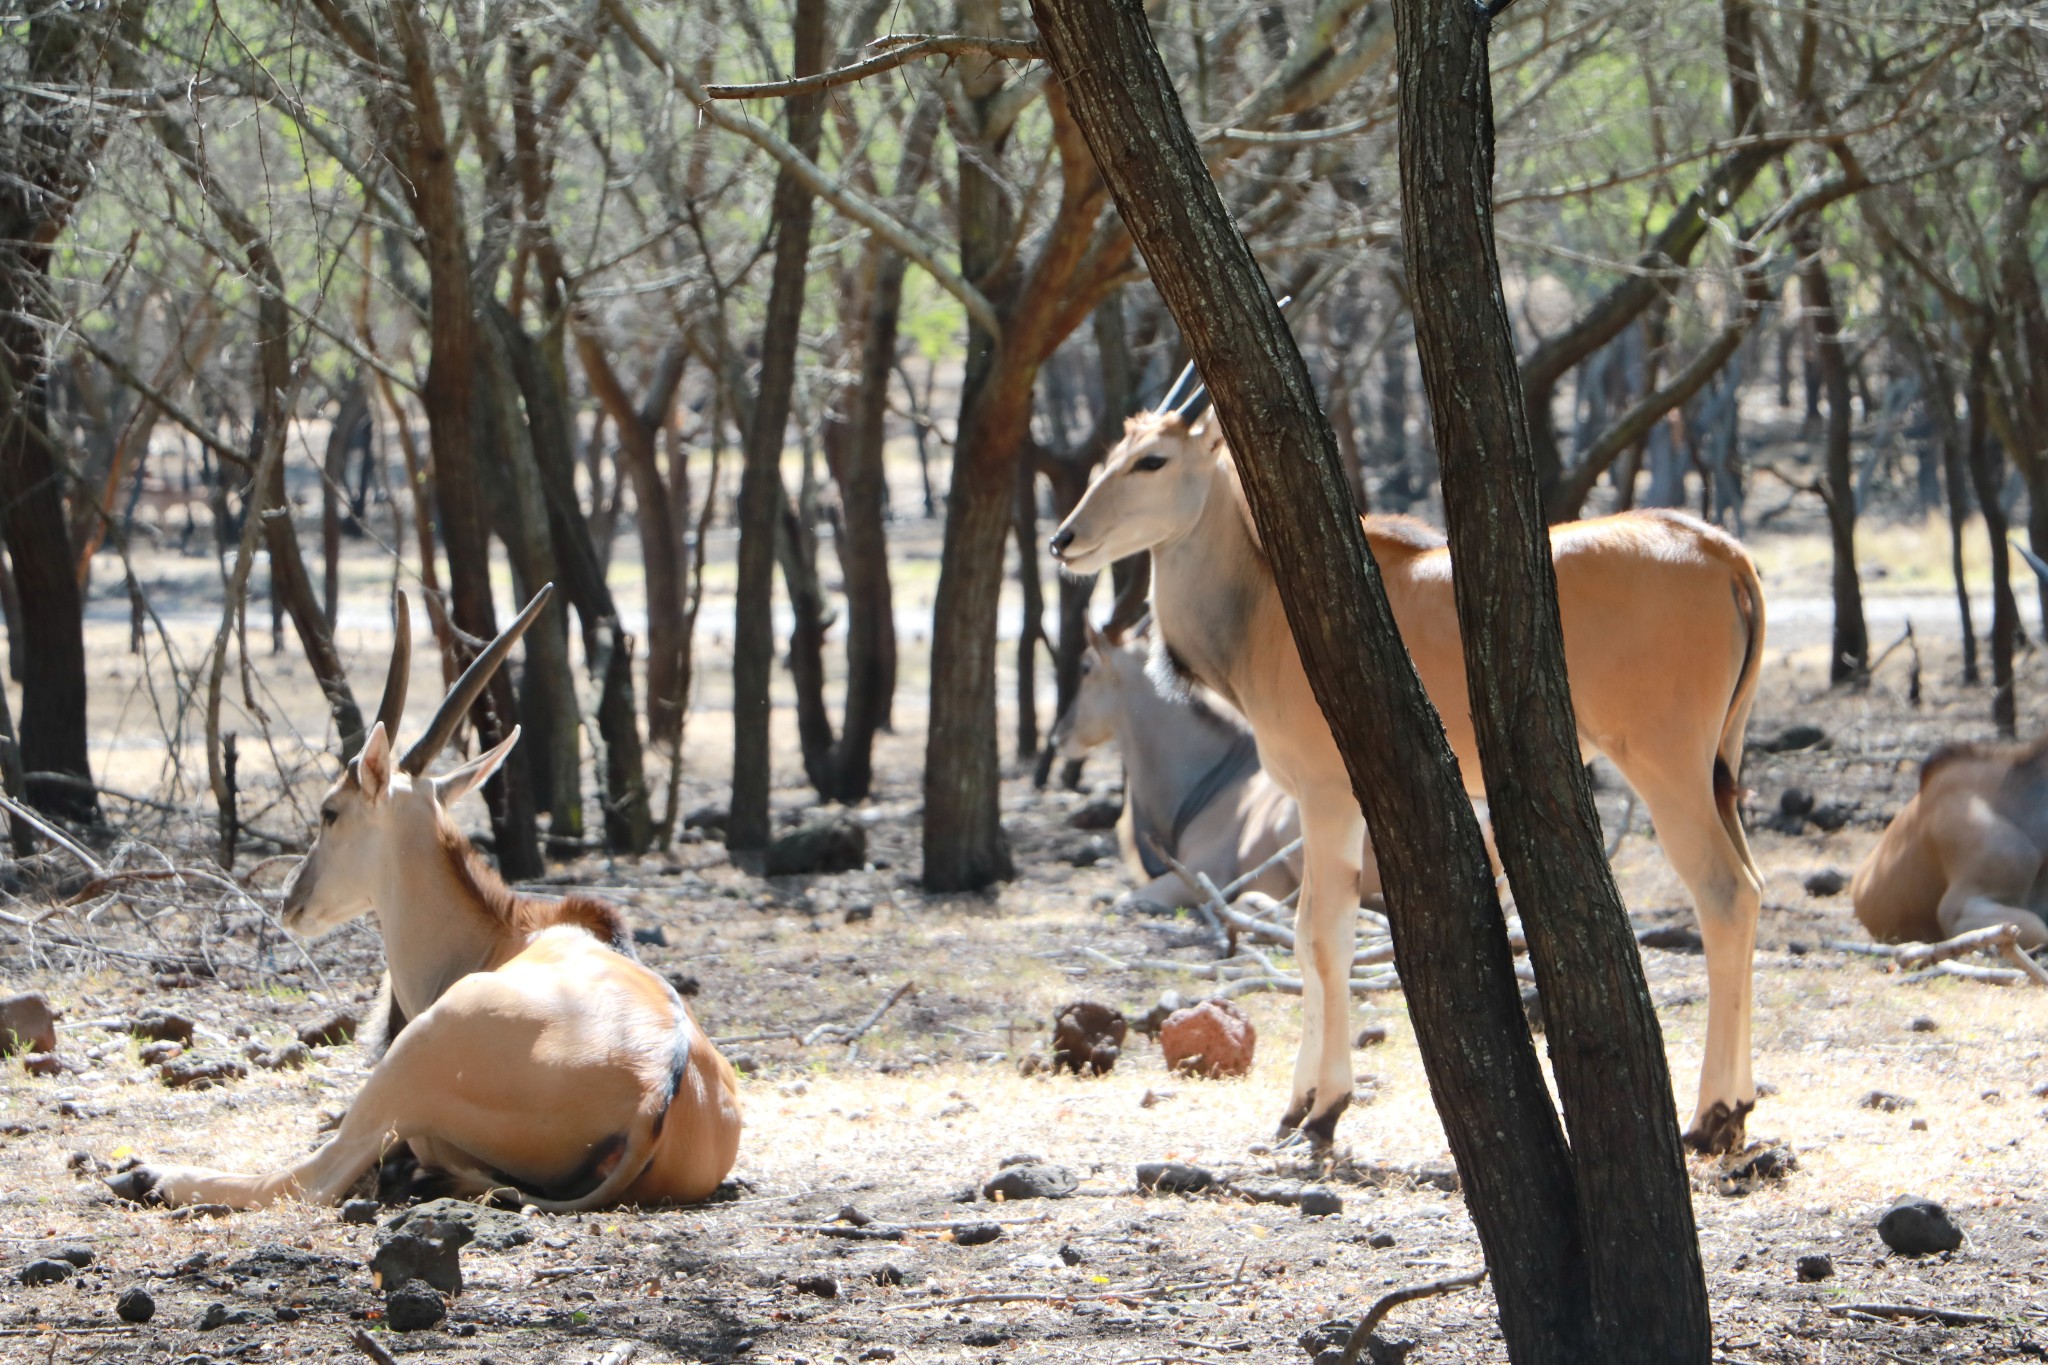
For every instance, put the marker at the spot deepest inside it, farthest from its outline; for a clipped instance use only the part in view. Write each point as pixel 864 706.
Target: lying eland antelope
pixel 1967 852
pixel 1664 627
pixel 524 1051
pixel 1192 780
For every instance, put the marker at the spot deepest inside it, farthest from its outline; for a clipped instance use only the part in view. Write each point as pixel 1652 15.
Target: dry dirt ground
pixel 933 1099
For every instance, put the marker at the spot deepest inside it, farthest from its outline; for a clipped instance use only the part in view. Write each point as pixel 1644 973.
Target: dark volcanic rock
pixel 429 1251
pixel 1101 813
pixel 1826 882
pixel 1174 1177
pixel 80 1256
pixel 1832 815
pixel 161 1026
pixel 1671 938
pixel 1030 1180
pixel 823 1286
pixel 1815 1268
pixel 977 1234
pixel 1087 1034
pixel 413 1307
pixel 27 1024
pixel 49 1270
pixel 1321 1203
pixel 135 1306
pixel 1918 1227
pixel 219 1315
pixel 1884 1102
pixel 833 844
pixel 200 1073
pixel 360 1211
pixel 492 1229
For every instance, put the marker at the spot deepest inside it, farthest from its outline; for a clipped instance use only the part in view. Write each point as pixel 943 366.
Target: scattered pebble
pixel 1321 1203
pixel 1030 1180
pixel 332 1031
pixel 1370 1036
pixel 217 1315
pixel 286 1056
pixel 1921 1023
pixel 1815 1268
pixel 80 1256
pixel 413 1307
pixel 1380 1240
pixel 1100 813
pixel 1917 1126
pixel 823 1286
pixel 135 1305
pixel 43 1064
pixel 161 1026
pixel 1918 1227
pixel 1884 1101
pixel 491 1229
pixel 359 1211
pixel 431 1252
pixel 977 1234
pixel 1826 882
pixel 201 1073
pixel 157 1053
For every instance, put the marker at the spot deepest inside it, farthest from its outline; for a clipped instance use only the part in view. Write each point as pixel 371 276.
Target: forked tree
pixel 1623 1282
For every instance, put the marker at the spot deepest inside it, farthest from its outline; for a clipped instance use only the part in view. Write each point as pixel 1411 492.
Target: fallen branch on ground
pixel 370 1347
pixel 1947 1317
pixel 1407 1293
pixel 2002 939
pixel 1114 1296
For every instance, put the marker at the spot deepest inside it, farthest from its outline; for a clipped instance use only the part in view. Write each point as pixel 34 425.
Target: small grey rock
pixel 49 1270
pixel 332 1031
pixel 1815 1268
pixel 1918 1227
pixel 1380 1240
pixel 359 1211
pixel 833 844
pixel 977 1234
pixel 1832 815
pixel 1884 1101
pixel 1030 1180
pixel 1826 882
pixel 431 1251
pixel 219 1315
pixel 1101 813
pixel 80 1256
pixel 161 1026
pixel 135 1306
pixel 1920 1023
pixel 413 1307
pixel 1321 1203
pixel 823 1286
pixel 1370 1036
pixel 492 1229
pixel 1672 938
pixel 1174 1177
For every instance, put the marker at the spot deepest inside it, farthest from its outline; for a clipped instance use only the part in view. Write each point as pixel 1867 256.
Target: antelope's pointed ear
pixel 1200 430
pixel 373 764
pixel 452 787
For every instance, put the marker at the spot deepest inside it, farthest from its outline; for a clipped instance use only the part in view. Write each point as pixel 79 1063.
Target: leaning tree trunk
pixel 1447 923
pixel 761 492
pixel 1850 658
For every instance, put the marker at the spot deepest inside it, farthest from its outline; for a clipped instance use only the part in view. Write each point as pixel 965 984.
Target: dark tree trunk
pixel 1559 1298
pixel 1938 398
pixel 349 419
pixel 1987 476
pixel 761 492
pixel 421 137
pixel 1634 1201
pixel 607 649
pixel 1031 629
pixel 1850 658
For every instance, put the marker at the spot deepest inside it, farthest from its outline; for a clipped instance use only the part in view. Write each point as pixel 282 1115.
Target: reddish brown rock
pixel 1087 1035
pixel 27 1024
pixel 1214 1038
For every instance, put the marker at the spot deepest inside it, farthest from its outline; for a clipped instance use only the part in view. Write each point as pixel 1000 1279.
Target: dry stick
pixel 1947 1317
pixel 1230 892
pixel 1123 1296
pixel 1990 976
pixel 369 1346
pixel 1389 1302
pixel 53 834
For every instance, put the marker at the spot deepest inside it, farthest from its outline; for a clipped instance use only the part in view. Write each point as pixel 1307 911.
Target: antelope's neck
pixel 435 932
pixel 1207 588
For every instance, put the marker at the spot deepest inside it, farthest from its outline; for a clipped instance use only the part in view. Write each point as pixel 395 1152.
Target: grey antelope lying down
pixel 1664 628
pixel 1967 852
pixel 524 1052
pixel 1192 781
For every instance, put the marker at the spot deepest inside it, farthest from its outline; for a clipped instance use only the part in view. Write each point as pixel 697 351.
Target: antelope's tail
pixel 1748 593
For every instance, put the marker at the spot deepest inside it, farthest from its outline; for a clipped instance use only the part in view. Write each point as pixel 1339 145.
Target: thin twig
pixel 1947 1317
pixel 53 834
pixel 370 1347
pixel 1120 1296
pixel 901 48
pixel 1389 1302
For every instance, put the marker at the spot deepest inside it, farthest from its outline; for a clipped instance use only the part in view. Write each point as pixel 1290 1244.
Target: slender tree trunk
pixel 1987 475
pixel 1850 658
pixel 1031 627
pixel 761 493
pixel 349 417
pixel 1447 926
pixel 1938 397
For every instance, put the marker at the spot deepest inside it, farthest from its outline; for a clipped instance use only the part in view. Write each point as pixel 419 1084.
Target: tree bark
pixel 1987 475
pixel 761 492
pixel 1850 657
pixel 1446 920
pixel 1607 1052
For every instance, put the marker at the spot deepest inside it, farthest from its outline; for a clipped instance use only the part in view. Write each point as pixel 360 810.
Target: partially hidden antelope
pixel 1968 851
pixel 1664 630
pixel 1193 786
pixel 524 1051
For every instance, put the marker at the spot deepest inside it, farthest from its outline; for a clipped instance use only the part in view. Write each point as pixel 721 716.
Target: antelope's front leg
pixel 1325 929
pixel 179 1186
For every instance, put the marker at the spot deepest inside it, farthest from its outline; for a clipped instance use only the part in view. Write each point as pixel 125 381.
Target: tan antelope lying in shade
pixel 1663 625
pixel 1192 782
pixel 525 1052
pixel 1967 852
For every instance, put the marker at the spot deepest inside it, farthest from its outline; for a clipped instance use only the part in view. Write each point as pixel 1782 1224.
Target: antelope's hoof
pixel 139 1186
pixel 1720 1129
pixel 1290 1122
pixel 1321 1130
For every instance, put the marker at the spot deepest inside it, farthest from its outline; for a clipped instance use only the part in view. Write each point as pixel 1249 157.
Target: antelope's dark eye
pixel 329 815
pixel 1149 463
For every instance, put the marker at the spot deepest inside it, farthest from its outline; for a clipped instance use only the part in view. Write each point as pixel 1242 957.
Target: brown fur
pixel 523 915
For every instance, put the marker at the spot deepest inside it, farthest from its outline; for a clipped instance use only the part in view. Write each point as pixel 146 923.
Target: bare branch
pixel 907 47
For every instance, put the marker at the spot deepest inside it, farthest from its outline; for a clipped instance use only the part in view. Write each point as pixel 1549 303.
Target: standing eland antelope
pixel 523 1050
pixel 1663 625
pixel 1193 784
pixel 1967 852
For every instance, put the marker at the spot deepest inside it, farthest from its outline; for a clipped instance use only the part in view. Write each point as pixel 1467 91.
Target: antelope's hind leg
pixel 1325 925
